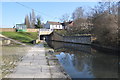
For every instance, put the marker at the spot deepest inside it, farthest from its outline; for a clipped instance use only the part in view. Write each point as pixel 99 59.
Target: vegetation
pixel 38 25
pixel 24 37
pixel 101 22
pixel 32 21
pixel 106 29
pixel 105 24
pixel 65 18
pixel 27 21
pixel 78 13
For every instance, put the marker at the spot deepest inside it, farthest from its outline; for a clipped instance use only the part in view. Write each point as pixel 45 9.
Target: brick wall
pixel 7 29
pixel 14 30
pixel 32 30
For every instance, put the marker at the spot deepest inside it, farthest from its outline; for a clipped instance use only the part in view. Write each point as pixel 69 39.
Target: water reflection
pixel 81 61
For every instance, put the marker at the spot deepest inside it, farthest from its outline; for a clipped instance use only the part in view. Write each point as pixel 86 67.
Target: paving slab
pixel 33 65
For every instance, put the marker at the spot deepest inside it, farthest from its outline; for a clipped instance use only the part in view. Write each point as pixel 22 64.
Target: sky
pixel 14 13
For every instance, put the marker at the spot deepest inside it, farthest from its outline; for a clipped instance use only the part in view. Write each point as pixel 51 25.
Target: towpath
pixel 35 65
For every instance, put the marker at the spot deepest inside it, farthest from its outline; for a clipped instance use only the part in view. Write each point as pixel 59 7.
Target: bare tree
pixel 80 23
pixel 32 19
pixel 110 7
pixel 105 23
pixel 27 21
pixel 119 23
pixel 106 28
pixel 78 13
pixel 114 8
pixel 65 18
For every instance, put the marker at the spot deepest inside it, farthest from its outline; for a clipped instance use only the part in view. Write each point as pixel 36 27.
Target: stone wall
pixel 72 39
pixel 78 39
pixel 55 36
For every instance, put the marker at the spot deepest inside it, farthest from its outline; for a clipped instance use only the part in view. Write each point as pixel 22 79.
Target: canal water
pixel 83 61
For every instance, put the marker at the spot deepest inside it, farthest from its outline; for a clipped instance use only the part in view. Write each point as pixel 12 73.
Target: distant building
pixel 21 27
pixel 83 25
pixel 67 24
pixel 53 25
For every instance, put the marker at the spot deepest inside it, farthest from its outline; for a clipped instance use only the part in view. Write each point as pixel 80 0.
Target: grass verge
pixel 25 37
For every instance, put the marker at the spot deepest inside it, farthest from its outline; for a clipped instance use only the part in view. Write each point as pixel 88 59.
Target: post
pixel 39 34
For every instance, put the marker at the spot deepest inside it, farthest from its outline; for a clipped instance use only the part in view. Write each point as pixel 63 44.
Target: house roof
pixel 54 23
pixel 70 23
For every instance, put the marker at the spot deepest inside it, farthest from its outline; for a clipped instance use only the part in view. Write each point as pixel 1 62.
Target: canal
pixel 83 61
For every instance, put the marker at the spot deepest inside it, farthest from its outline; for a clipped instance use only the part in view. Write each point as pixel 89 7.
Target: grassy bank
pixel 25 37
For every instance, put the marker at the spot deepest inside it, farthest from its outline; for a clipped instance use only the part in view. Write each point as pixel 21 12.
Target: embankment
pixel 86 40
pixel 70 39
pixel 24 37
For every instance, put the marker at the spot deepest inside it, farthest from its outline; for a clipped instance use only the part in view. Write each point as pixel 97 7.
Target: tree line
pixel 101 21
pixel 31 21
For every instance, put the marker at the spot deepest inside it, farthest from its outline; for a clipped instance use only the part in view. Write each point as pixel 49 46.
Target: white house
pixel 53 25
